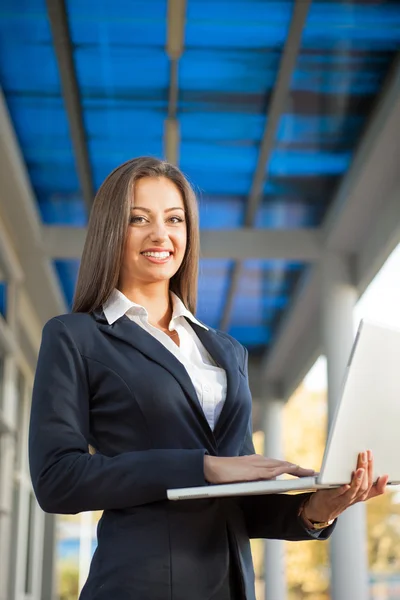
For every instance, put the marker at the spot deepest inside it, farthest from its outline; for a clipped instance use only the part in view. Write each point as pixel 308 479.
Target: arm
pixel 66 477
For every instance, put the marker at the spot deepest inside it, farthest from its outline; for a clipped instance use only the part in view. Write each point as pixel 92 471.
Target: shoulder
pixel 240 350
pixel 73 324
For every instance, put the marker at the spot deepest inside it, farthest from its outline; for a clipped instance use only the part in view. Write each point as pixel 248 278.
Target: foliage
pixel 68 580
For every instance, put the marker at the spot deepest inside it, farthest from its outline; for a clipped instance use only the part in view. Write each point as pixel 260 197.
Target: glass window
pixel 3 298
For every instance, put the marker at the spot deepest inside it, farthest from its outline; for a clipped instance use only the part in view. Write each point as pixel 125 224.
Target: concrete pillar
pixel 348 546
pixel 7 458
pixel 49 591
pixel 85 546
pixel 274 550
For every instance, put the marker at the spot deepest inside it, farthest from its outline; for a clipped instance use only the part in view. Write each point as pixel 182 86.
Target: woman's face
pixel 156 239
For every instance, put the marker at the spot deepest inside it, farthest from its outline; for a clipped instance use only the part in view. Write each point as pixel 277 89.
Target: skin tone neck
pixel 155 298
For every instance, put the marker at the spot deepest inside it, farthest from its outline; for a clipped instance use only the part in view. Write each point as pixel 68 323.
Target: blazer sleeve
pixel 275 516
pixel 66 477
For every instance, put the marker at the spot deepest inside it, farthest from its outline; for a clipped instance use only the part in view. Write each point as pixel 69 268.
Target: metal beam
pixel 21 219
pixel 275 111
pixel 175 45
pixel 63 47
pixel 9 263
pixel 239 244
pixel 363 223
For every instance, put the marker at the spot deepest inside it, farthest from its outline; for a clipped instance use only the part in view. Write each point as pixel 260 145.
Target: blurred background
pixel 285 116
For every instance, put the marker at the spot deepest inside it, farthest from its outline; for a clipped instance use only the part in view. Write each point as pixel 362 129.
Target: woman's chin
pixel 161 275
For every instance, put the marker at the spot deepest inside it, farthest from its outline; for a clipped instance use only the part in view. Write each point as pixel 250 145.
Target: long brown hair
pixel 107 230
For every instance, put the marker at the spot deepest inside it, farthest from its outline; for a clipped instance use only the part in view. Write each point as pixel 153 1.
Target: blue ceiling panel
pixel 116 133
pixel 64 210
pixel 221 212
pixel 226 77
pixel 237 129
pixel 67 271
pixel 124 72
pixel 298 163
pixel 121 122
pixel 339 72
pixel 255 338
pixel 213 287
pixel 216 170
pixel 319 132
pixel 264 292
pixel 248 24
pixel 231 71
pixel 212 182
pixel 31 86
pixel 281 213
pixel 195 155
pixel 366 25
pixel 118 22
pixel 125 98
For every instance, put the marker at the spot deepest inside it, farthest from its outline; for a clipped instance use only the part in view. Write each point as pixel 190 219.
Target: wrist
pixel 209 468
pixel 311 518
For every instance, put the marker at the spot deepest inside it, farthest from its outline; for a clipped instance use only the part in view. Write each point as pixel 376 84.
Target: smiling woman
pixel 165 403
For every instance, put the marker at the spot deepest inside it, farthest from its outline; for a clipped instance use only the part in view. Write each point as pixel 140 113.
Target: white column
pixel 49 574
pixel 8 443
pixel 274 550
pixel 85 546
pixel 348 546
pixel 7 457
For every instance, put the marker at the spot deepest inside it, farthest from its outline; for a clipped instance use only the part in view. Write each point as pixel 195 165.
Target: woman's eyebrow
pixel 148 210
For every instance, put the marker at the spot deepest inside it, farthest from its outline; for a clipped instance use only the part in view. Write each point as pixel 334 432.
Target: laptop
pixel 367 417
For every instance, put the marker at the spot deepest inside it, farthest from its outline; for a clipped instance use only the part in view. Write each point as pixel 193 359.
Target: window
pixel 3 298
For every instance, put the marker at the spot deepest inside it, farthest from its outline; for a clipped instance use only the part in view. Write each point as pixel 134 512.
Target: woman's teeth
pixel 157 254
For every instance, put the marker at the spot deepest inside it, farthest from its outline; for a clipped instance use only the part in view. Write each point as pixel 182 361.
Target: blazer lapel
pixel 129 332
pixel 223 352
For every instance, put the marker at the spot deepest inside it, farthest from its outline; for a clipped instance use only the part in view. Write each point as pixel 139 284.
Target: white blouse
pixel 208 379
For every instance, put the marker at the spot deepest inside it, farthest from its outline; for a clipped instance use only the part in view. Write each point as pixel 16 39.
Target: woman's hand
pixel 248 468
pixel 325 505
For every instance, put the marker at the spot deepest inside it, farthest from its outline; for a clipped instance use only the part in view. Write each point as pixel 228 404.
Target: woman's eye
pixel 137 220
pixel 176 220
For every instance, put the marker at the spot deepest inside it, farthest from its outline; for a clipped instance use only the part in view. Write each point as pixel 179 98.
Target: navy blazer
pixel 120 390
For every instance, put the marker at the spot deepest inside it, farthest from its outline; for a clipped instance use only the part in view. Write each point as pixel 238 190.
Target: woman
pixel 164 400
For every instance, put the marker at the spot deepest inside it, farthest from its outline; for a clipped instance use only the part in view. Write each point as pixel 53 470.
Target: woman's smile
pixel 158 256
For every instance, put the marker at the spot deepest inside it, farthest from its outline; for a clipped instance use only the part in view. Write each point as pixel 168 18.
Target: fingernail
pixel 360 473
pixel 363 457
pixel 369 455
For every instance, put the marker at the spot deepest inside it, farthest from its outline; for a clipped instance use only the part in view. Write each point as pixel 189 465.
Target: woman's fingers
pixel 302 472
pixel 278 467
pixel 379 487
pixel 370 468
pixel 291 469
pixel 356 481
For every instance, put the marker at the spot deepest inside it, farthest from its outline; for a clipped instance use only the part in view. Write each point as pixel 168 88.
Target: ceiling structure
pixel 273 109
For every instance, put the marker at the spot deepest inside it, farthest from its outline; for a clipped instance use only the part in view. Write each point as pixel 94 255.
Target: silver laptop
pixel 367 418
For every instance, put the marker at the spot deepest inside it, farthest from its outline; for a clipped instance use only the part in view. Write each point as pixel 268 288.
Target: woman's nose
pixel 159 232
